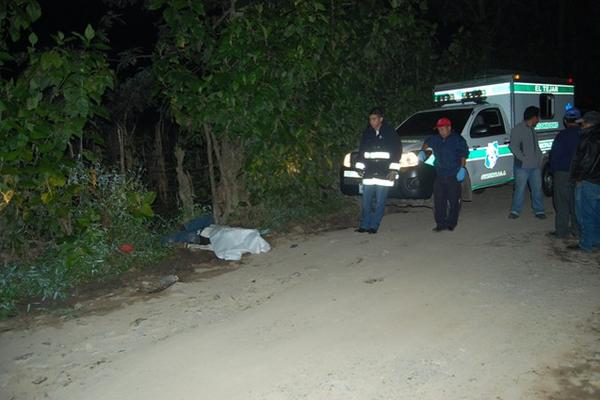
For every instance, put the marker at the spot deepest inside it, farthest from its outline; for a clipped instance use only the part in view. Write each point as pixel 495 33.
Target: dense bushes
pixel 109 210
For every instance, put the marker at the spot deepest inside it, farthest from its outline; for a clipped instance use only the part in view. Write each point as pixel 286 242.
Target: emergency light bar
pixel 477 96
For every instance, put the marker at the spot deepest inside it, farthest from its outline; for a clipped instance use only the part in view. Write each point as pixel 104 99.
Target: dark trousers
pixel 446 201
pixel 564 204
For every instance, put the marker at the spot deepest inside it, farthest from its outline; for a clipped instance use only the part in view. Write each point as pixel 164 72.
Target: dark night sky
pixel 534 24
pixel 134 26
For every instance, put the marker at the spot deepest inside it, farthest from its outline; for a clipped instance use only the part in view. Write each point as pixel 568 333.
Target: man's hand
pixel 391 175
pixel 422 156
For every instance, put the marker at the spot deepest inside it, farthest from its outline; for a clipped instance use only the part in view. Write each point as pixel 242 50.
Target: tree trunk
pixel 184 181
pixel 128 140
pixel 120 136
pixel 162 181
pixel 211 174
pixel 229 190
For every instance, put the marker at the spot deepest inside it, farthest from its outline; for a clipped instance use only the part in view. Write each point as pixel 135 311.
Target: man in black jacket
pixel 585 172
pixel 378 162
pixel 561 155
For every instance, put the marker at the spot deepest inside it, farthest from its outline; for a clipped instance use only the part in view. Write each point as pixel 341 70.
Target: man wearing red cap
pixel 450 151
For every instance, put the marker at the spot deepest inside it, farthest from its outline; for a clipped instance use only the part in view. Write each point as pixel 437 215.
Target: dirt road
pixel 493 310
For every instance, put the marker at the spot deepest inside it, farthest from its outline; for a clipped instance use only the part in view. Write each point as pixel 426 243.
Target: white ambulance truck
pixel 483 111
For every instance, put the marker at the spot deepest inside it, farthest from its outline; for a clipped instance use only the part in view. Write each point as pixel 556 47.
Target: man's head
pixel 376 118
pixel 531 116
pixel 444 127
pixel 571 117
pixel 589 119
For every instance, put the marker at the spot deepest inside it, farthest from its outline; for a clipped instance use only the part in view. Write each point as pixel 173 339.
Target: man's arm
pixel 576 168
pixel 556 151
pixel 516 142
pixel 395 150
pixel 426 144
pixel 465 152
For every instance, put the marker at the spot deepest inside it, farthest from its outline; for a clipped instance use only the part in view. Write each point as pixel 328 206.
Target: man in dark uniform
pixel 450 151
pixel 378 162
pixel 561 154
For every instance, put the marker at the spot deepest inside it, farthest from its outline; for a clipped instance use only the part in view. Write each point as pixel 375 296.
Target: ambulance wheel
pixel 547 180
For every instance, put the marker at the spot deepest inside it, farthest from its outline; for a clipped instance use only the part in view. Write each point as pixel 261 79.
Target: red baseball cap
pixel 443 122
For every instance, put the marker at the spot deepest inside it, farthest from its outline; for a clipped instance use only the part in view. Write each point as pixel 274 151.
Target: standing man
pixel 450 151
pixel 528 161
pixel 378 163
pixel 561 154
pixel 585 172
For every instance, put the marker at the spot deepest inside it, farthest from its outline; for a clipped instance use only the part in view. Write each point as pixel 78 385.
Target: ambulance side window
pixel 546 106
pixel 488 123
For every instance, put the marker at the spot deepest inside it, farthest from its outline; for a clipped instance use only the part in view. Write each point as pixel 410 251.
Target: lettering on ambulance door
pixel 490 160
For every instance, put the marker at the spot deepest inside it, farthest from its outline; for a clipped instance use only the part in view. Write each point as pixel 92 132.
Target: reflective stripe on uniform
pixel 395 166
pixel 360 165
pixel 377 155
pixel 377 181
pixel 351 174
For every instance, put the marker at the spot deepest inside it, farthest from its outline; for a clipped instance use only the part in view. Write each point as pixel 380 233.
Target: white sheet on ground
pixel 230 243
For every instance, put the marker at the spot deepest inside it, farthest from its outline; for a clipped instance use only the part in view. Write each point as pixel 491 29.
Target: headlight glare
pixel 347 161
pixel 409 160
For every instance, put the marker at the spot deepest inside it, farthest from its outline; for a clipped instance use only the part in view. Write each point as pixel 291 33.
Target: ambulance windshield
pixel 423 123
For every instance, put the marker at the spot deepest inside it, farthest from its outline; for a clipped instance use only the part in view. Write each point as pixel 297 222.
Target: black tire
pixel 547 180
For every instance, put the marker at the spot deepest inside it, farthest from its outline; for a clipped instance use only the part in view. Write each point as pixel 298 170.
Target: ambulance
pixel 483 111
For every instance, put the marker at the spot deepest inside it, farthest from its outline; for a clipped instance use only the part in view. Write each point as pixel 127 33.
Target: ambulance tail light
pixel 347 161
pixel 570 80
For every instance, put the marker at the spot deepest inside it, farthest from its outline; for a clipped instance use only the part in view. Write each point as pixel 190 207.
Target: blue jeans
pixel 587 208
pixel 370 219
pixel 533 176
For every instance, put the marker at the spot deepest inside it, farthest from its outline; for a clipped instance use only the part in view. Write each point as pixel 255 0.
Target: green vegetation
pixel 109 210
pixel 251 105
pixel 283 89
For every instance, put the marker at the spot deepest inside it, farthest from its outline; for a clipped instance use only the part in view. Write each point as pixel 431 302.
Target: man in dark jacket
pixel 378 162
pixel 450 151
pixel 585 172
pixel 561 154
